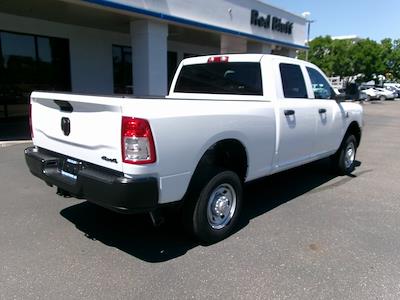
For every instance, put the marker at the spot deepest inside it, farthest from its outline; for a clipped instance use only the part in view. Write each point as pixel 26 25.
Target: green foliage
pixel 348 58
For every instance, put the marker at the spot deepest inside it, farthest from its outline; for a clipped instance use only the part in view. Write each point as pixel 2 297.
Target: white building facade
pixel 127 46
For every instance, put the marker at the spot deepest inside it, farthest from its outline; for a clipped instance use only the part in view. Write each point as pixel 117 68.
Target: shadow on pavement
pixel 135 235
pixel 13 129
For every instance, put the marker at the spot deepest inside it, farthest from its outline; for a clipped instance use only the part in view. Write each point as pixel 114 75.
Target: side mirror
pixel 340 97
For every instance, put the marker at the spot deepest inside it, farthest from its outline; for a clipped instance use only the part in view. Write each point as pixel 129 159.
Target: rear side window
pixel 239 78
pixel 293 81
pixel 321 87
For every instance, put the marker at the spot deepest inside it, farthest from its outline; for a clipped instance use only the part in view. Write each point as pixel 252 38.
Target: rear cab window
pixel 234 78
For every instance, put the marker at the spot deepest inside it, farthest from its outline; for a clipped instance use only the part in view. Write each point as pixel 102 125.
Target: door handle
pixel 289 112
pixel 322 110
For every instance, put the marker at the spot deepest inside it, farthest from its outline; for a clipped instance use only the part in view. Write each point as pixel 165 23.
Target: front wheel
pixel 344 159
pixel 215 207
pixel 382 98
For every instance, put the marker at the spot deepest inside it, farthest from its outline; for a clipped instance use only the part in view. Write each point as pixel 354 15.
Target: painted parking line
pixel 11 143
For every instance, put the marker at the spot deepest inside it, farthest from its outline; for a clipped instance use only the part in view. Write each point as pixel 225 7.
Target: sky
pixel 365 18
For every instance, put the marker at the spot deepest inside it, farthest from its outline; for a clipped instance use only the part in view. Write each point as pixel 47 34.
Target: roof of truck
pixel 243 57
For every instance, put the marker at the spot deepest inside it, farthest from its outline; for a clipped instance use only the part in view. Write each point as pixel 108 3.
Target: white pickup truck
pixel 227 120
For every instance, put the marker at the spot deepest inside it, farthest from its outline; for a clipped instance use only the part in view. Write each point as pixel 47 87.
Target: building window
pixel 172 66
pixel 189 55
pixel 27 63
pixel 122 69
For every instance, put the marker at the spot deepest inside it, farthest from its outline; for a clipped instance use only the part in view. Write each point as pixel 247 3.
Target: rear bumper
pixel 101 186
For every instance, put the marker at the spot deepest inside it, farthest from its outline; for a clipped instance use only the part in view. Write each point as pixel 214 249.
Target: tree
pixel 367 59
pixel 392 61
pixel 320 53
pixel 387 55
pixel 342 64
pixel 349 58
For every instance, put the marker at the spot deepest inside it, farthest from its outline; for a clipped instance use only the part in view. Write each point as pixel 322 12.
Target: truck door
pixel 297 118
pixel 330 117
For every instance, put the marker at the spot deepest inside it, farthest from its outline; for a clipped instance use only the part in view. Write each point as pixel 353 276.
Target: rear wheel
pixel 213 206
pixel 382 98
pixel 344 159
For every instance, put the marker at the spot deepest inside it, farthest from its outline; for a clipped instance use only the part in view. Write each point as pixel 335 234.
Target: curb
pixel 11 143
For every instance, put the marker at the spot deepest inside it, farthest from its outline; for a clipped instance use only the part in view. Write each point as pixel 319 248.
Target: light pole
pixel 306 15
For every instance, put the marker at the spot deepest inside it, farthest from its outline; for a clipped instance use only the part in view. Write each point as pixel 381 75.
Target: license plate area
pixel 70 168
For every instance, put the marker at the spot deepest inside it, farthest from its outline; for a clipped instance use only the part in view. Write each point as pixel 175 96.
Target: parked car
pixel 368 93
pixel 223 124
pixel 373 93
pixel 384 94
pixel 394 90
pixel 393 84
pixel 362 96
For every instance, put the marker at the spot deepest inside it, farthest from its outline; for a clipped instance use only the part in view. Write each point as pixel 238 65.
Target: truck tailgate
pixel 83 127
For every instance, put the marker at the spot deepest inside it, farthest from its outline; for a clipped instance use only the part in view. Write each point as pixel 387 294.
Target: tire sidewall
pixel 201 227
pixel 342 166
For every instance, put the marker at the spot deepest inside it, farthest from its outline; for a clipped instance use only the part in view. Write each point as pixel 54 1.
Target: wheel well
pixel 355 130
pixel 229 154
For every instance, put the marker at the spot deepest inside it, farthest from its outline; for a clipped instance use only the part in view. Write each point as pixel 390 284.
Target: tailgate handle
pixel 64 105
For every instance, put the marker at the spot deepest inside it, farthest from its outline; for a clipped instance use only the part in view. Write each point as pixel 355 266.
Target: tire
pixel 382 98
pixel 343 161
pixel 212 208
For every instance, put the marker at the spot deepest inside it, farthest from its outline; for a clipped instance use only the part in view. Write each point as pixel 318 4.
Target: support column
pixel 232 44
pixel 149 58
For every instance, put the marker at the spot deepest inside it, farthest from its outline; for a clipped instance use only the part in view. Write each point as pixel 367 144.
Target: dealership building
pixel 117 47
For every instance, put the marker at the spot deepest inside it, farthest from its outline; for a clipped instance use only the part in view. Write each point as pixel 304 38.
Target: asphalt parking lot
pixel 304 234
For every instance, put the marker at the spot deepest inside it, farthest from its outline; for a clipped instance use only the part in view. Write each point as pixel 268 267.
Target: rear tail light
pixel 137 141
pixel 30 119
pixel 218 59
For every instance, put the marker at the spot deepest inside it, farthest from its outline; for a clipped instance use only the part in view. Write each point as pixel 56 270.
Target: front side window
pixel 321 87
pixel 292 81
pixel 240 78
